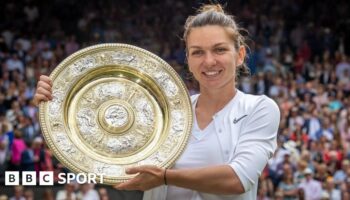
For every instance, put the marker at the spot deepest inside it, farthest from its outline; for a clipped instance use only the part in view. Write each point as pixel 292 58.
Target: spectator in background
pixel 48 194
pixel 321 98
pixel 285 166
pixel 340 175
pixel 17 148
pixel 3 107
pixel 7 132
pixel 3 197
pixel 344 80
pixel 321 173
pixel 68 193
pixel 311 187
pixel 331 190
pixel 103 194
pixel 26 127
pixel 47 164
pixel 288 187
pixel 326 131
pixel 14 63
pixel 87 192
pixel 298 175
pixel 33 158
pixel 15 111
pixel 28 194
pixel 325 195
pixel 18 193
pixel 345 131
pixel 71 45
pixel 342 66
pixel 4 155
pixel 265 185
pixel 278 195
pixel 313 124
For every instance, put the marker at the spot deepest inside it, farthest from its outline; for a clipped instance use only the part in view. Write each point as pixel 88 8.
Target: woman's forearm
pixel 217 179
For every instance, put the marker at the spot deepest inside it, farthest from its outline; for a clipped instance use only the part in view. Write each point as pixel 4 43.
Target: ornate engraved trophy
pixel 115 106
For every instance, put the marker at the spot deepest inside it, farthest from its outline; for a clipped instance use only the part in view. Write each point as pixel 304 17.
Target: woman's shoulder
pixel 260 101
pixel 248 101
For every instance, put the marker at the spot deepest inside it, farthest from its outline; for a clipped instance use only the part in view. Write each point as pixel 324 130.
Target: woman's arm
pixel 219 179
pixel 256 144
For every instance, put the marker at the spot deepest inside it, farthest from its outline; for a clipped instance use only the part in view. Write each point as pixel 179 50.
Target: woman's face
pixel 212 57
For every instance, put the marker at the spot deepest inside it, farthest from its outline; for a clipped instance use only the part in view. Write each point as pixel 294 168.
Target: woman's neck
pixel 214 101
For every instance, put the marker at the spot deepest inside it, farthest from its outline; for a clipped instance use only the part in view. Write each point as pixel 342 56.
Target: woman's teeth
pixel 211 73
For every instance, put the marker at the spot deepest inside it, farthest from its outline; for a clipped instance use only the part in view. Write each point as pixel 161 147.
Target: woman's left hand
pixel 149 177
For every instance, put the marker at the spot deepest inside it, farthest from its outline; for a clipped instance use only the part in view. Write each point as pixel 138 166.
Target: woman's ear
pixel 241 55
pixel 189 69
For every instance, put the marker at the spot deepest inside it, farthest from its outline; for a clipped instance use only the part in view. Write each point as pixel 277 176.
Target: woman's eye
pixel 220 50
pixel 196 53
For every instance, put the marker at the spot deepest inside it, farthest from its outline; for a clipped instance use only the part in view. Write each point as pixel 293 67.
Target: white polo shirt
pixel 242 135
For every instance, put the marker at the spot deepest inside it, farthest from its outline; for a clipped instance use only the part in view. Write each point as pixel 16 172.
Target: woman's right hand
pixel 43 90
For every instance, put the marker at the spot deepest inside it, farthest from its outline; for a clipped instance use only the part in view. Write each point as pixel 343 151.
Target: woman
pixel 234 134
pixel 288 187
pixel 17 148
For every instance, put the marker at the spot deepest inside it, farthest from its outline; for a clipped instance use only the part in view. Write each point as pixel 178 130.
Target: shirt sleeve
pixel 257 142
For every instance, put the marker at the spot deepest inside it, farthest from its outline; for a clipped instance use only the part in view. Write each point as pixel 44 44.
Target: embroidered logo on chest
pixel 235 120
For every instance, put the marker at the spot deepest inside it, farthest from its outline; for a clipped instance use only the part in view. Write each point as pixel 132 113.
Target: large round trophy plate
pixel 116 106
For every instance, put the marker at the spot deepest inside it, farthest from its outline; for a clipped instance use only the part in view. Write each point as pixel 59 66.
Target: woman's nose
pixel 209 59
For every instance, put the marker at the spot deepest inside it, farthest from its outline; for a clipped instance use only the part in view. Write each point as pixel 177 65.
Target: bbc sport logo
pixel 29 178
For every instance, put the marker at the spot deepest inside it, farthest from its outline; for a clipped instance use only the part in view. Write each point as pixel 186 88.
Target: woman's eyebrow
pixel 215 45
pixel 195 47
pixel 219 44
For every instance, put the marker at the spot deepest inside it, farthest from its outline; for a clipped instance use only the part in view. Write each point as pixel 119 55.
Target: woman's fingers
pixel 134 170
pixel 148 177
pixel 45 79
pixel 45 86
pixel 132 184
pixel 39 98
pixel 45 82
pixel 44 90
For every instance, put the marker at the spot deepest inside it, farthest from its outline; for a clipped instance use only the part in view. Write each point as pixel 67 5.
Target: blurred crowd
pixel 298 55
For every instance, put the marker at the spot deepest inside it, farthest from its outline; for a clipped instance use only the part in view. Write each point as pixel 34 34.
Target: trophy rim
pixel 85 51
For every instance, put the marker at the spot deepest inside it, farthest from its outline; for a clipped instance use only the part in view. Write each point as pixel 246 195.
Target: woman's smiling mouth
pixel 210 74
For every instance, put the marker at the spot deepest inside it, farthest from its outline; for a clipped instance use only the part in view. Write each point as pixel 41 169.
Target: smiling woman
pixel 213 58
pixel 234 134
